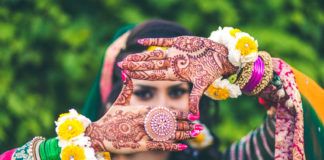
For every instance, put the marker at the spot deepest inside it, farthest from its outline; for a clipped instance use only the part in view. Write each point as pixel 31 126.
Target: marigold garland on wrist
pixel 70 129
pixel 243 52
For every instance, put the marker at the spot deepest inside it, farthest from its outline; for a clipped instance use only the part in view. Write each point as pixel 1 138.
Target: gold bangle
pixel 245 75
pixel 34 147
pixel 267 75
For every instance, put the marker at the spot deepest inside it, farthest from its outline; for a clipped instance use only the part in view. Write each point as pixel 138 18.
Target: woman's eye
pixel 177 93
pixel 144 94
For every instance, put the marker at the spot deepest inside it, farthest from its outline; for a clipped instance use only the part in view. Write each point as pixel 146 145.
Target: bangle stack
pixel 49 149
pixel 257 75
pixel 255 67
pixel 71 143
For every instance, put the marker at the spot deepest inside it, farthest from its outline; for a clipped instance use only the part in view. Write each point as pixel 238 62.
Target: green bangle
pixel 42 150
pixel 49 149
pixel 57 149
pixel 53 150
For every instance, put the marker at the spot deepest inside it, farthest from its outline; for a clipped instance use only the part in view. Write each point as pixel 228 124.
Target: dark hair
pixel 164 29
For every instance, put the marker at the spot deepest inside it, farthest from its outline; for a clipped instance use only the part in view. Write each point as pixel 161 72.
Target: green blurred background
pixel 50 52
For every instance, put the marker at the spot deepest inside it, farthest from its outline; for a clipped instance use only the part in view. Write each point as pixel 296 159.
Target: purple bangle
pixel 253 75
pixel 257 74
pixel 256 67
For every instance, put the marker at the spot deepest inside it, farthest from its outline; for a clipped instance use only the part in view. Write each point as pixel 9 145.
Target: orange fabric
pixel 312 92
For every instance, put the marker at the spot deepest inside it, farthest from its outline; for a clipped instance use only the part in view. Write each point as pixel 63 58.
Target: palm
pixel 121 129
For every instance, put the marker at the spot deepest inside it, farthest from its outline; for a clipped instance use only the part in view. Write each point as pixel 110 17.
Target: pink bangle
pixel 256 77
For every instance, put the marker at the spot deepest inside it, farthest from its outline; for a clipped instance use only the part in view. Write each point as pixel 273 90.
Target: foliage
pixel 50 52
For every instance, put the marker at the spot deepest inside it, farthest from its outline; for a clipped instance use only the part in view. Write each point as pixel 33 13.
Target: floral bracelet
pixel 255 68
pixel 70 128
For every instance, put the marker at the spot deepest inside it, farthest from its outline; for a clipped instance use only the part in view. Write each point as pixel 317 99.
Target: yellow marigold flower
pixel 234 31
pixel 218 93
pixel 199 139
pixel 246 45
pixel 152 48
pixel 69 129
pixel 73 152
pixel 106 155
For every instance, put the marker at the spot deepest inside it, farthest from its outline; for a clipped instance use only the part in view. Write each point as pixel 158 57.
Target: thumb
pixel 194 98
pixel 126 92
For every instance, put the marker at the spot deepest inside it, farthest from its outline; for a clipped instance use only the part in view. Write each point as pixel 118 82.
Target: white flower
pixel 234 90
pixel 73 114
pixel 234 56
pixel 81 140
pixel 203 140
pixel 89 153
pixel 233 40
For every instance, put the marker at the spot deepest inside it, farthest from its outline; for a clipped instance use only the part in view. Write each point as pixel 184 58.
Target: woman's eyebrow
pixel 146 87
pixel 176 86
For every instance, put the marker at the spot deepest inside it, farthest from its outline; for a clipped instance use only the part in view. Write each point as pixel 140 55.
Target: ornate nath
pixel 160 124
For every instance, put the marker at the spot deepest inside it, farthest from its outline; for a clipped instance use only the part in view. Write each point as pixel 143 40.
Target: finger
pixel 160 42
pixel 188 126
pixel 145 56
pixel 194 98
pixel 180 115
pixel 185 126
pixel 145 65
pixel 127 90
pixel 165 146
pixel 153 75
pixel 183 135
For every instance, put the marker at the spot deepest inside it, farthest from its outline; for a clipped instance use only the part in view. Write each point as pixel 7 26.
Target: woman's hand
pixel 121 129
pixel 192 59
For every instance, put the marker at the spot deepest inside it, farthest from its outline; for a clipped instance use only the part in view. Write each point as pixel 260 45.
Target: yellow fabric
pixel 312 92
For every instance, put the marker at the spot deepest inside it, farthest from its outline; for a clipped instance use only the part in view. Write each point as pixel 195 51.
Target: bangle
pixel 267 75
pixel 245 75
pixel 52 149
pixel 42 153
pixel 35 147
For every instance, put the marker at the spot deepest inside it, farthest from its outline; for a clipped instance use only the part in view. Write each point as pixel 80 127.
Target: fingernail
pixel 193 117
pixel 182 146
pixel 140 41
pixel 123 76
pixel 119 64
pixel 194 133
pixel 199 127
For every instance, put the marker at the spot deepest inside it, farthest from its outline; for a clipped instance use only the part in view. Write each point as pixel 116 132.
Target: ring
pixel 160 124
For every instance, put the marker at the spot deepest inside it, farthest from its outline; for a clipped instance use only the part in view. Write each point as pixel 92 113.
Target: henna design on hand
pixel 192 59
pixel 127 90
pixel 162 146
pixel 121 129
pixel 145 56
pixel 185 125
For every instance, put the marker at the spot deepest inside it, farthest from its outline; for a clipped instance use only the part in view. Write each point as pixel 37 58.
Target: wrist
pixel 90 132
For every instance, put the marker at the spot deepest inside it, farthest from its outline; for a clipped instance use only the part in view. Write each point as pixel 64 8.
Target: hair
pixel 164 29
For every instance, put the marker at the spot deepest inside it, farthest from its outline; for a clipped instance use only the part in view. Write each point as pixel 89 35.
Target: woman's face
pixel 171 94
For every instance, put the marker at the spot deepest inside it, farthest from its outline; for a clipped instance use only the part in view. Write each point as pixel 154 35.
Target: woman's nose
pixel 162 101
